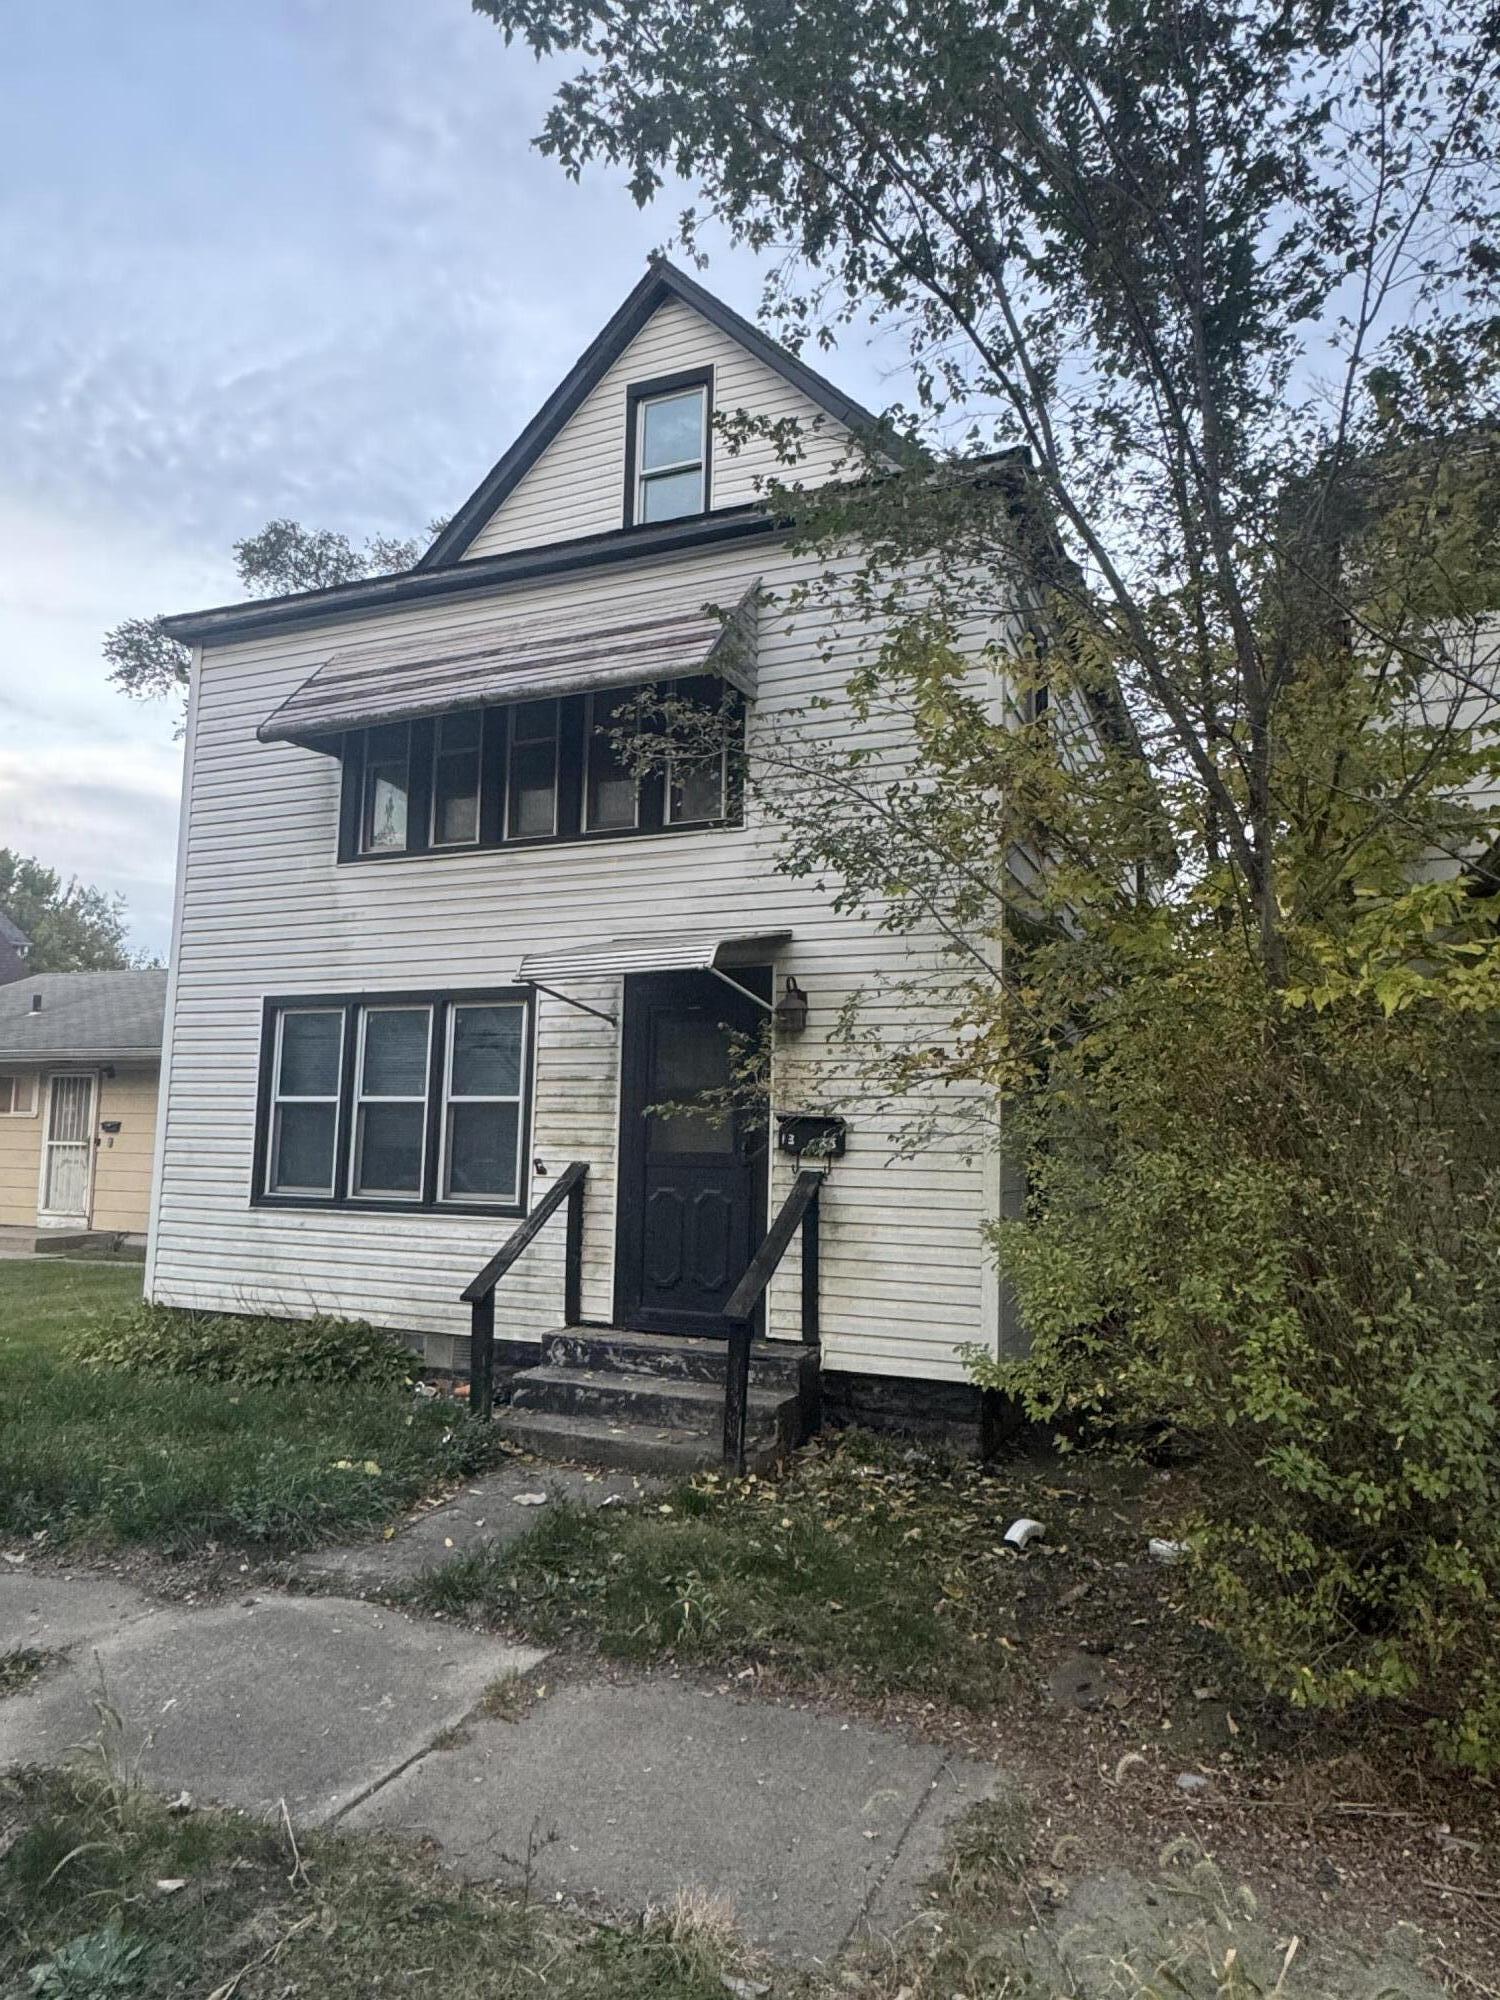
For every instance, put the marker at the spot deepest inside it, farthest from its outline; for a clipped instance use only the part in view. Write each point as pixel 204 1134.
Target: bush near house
pixel 256 1440
pixel 1269 1232
pixel 249 1348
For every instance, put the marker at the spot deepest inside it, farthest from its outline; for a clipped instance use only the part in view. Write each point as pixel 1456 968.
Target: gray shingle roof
pixel 12 933
pixel 101 1016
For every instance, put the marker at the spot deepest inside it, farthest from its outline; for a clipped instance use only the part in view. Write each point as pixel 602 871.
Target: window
pixel 533 770
pixel 611 796
pixel 394 1101
pixel 696 788
pixel 667 449
pixel 390 1116
pixel 17 1096
pixel 482 1102
pixel 455 780
pixel 382 828
pixel 305 1100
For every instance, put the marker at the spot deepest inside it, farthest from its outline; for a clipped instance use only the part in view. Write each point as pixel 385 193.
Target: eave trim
pixel 661 283
pixel 222 624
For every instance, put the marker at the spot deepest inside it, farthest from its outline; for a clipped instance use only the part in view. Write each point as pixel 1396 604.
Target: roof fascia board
pixel 227 622
pixel 663 281
pixel 144 1053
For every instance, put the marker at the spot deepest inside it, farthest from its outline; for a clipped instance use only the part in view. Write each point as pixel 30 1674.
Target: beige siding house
pixel 433 946
pixel 80 1056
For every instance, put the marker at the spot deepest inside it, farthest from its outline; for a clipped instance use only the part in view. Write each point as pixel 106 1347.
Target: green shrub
pixel 1273 1230
pixel 249 1348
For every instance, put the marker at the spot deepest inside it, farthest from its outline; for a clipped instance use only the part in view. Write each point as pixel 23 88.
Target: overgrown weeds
pixel 105 1455
pixel 153 1904
pixel 869 1568
pixel 104 1898
pixel 252 1349
pixel 21 1665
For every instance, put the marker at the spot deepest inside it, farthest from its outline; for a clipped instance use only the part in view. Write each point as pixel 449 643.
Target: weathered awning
pixel 674 951
pixel 522 658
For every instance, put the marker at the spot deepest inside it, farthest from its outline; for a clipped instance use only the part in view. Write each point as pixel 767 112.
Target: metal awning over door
pixel 671 951
pixel 522 658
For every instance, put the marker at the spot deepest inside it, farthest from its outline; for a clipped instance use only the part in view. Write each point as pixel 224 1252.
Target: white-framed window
pixel 484 1074
pixel 307 1067
pixel 531 789
pixel 18 1095
pixel 386 798
pixel 611 792
pixel 671 454
pixel 456 745
pixel 390 1102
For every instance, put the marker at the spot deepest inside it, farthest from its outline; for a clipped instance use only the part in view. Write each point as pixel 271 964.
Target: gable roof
pixel 12 934
pixel 663 281
pixel 84 1016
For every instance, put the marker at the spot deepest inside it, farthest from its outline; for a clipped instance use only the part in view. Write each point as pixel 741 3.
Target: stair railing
pixel 479 1295
pixel 800 1207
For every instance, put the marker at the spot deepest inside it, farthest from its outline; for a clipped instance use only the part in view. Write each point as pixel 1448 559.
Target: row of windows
pixel 535 770
pixel 407 1101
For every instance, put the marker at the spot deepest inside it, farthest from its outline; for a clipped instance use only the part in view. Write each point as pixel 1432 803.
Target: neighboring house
pixel 432 945
pixel 14 945
pixel 80 1059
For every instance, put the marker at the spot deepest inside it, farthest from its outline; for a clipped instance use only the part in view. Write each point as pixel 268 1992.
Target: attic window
pixel 668 449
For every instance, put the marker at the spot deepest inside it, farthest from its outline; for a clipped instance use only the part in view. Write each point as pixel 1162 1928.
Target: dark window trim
pixel 441 1001
pixel 661 283
pixel 573 745
pixel 647 392
pixel 456 846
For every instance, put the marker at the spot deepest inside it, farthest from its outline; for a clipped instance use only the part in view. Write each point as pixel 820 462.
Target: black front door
pixel 692 1166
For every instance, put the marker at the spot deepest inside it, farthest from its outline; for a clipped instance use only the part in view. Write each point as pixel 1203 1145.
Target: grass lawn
pixel 112 1457
pixel 868 1569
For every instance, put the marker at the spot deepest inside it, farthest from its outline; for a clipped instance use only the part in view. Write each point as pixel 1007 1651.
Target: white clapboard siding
pixel 264 908
pixel 577 487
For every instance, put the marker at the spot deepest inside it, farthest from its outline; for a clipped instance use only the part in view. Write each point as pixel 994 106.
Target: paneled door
pixel 67 1153
pixel 693 1165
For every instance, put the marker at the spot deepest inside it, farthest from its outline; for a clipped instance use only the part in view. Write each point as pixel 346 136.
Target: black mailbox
pixel 806 1133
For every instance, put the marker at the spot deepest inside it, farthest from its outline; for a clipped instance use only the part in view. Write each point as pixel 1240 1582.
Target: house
pixel 14 945
pixel 80 1057
pixel 436 954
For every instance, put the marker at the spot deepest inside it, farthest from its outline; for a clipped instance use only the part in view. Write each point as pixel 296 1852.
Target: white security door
pixel 68 1152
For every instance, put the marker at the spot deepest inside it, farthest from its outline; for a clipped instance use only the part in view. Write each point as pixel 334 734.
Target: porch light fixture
pixel 791 1009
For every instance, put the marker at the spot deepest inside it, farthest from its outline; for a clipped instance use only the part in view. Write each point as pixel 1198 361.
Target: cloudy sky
pixel 295 257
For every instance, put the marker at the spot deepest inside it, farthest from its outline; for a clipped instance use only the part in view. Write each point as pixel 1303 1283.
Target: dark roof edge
pixel 226 622
pixel 94 1052
pixel 661 282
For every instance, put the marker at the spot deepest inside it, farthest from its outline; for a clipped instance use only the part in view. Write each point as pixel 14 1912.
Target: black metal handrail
pixel 479 1294
pixel 799 1208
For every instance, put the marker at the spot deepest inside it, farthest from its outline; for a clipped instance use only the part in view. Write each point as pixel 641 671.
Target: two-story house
pixel 434 944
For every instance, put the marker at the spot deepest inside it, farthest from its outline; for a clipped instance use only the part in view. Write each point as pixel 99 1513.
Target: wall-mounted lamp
pixel 791 1009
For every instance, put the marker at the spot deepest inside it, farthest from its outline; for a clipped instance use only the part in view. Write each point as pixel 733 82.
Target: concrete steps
pixel 645 1402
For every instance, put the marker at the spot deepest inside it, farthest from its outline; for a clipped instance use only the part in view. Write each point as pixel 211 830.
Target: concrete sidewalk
pixel 624 1793
pixel 485 1513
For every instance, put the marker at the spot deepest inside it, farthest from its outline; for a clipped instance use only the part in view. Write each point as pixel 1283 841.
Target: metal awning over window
pixel 676 951
pixel 522 659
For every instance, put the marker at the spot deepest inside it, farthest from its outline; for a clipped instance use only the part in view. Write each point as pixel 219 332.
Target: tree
pixel 147 662
pixel 1200 303
pixel 72 929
